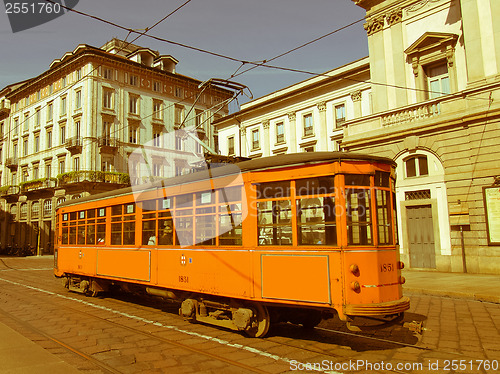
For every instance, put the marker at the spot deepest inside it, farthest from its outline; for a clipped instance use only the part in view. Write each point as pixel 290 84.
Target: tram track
pixel 106 368
pixel 147 305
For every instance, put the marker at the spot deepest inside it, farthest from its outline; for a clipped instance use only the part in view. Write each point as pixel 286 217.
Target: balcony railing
pixel 74 144
pixel 38 185
pixel 93 176
pixel 415 113
pixel 11 162
pixel 108 144
pixel 6 191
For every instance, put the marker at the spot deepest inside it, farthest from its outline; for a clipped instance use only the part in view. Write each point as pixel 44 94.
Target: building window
pixel 47 207
pixel 339 115
pixel 107 73
pixel 178 115
pixel 255 139
pixel 16 127
pixel 416 166
pixel 77 130
pixel 25 147
pixel 62 166
pixel 79 74
pixel 24 211
pixel 157 170
pixel 76 164
pixel 133 104
pixel 132 134
pixel 438 80
pixel 37 118
pixel 26 122
pixel 63 106
pixel 230 146
pixel 48 170
pixel 308 125
pixel 156 138
pixel 50 112
pixel 25 175
pixel 36 171
pixel 179 92
pixel 133 80
pixel 78 99
pixel 156 86
pixel 62 133
pixel 280 132
pixel 49 139
pixel 37 143
pixel 107 99
pixel 63 82
pixel 157 109
pixel 178 142
pixel 35 209
pixel 309 149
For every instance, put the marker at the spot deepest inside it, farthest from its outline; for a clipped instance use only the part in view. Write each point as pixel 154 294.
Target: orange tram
pixel 290 238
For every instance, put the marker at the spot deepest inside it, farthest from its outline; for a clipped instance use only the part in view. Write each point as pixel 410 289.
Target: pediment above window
pixel 430 41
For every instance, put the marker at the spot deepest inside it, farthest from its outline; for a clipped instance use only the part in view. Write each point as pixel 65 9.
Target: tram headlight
pixel 356 287
pixel 401 265
pixel 354 268
pixel 402 280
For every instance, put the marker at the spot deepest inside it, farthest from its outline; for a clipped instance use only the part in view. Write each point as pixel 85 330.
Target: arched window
pixel 24 211
pixel 35 209
pixel 416 166
pixel 61 200
pixel 13 212
pixel 47 207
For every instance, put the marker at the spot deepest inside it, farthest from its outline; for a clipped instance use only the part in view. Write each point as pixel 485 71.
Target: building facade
pixel 427 97
pixel 98 119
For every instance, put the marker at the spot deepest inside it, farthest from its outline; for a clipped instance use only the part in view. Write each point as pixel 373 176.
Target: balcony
pixel 38 185
pixel 74 145
pixel 90 176
pixel 9 193
pixel 12 163
pixel 4 107
pixel 107 144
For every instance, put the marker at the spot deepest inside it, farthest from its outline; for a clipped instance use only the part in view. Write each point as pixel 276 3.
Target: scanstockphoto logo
pixel 27 14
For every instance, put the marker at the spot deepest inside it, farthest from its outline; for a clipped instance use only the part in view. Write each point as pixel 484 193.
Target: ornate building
pixel 429 99
pixel 98 119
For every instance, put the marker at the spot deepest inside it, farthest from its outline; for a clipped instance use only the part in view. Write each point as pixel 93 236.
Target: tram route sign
pixel 492 207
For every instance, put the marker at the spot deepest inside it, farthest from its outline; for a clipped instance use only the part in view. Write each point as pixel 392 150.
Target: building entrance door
pixel 421 236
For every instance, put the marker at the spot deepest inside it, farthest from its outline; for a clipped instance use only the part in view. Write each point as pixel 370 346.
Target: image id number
pixel 32 8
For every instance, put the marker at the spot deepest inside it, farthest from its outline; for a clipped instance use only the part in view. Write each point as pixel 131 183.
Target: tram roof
pixel 258 164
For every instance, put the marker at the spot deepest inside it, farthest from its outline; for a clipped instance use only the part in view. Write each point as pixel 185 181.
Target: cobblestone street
pixel 126 334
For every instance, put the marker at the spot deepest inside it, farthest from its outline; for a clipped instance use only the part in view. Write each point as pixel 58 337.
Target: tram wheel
pixel 260 325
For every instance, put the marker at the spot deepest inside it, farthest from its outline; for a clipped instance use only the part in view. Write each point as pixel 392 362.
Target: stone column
pixel 356 99
pixel 266 142
pixel 322 132
pixel 292 131
pixel 243 141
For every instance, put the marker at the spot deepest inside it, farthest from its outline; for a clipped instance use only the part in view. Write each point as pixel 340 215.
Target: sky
pixel 249 30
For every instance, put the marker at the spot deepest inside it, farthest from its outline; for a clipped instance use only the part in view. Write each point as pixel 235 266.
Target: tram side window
pixel 165 222
pixel 206 218
pixel 359 227
pixel 72 228
pixel 123 224
pixel 90 231
pixel 149 208
pixel 230 231
pixel 101 226
pixel 65 229
pixel 274 216
pixel 184 220
pixel 81 228
pixel 384 219
pixel 316 214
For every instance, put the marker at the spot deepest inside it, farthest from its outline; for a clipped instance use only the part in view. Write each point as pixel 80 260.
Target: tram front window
pixel 358 216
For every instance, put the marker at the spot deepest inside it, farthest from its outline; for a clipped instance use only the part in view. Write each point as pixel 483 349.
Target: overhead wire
pixel 243 62
pixel 122 47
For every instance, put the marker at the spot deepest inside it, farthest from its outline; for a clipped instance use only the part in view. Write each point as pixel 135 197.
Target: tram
pixel 295 237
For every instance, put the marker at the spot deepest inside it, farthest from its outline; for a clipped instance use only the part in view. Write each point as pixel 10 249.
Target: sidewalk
pixel 458 285
pixel 21 355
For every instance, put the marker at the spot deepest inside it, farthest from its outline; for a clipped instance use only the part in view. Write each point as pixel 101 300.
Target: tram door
pixel 421 237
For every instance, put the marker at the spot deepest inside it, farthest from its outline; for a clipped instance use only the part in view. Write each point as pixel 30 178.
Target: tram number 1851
pixel 385 268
